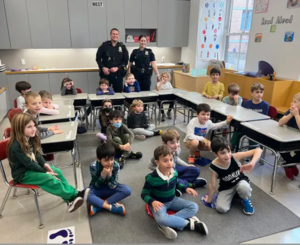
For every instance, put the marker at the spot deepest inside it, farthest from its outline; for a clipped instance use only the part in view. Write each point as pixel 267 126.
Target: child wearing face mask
pixel 104 118
pixel 138 122
pixel 121 138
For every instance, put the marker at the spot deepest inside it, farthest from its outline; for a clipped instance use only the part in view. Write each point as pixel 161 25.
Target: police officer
pixel 112 59
pixel 142 63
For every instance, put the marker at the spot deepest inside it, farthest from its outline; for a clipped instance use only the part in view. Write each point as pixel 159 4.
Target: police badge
pixel 120 49
pixel 146 52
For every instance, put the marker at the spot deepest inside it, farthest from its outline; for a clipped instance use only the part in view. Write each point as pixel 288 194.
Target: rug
pixel 137 227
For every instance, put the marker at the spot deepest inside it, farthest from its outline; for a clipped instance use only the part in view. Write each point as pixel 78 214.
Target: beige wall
pixel 70 58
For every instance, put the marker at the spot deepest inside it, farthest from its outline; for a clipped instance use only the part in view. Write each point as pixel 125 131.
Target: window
pixel 237 36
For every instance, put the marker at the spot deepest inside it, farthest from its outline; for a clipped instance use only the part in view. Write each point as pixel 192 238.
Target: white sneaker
pixel 168 232
pixel 140 137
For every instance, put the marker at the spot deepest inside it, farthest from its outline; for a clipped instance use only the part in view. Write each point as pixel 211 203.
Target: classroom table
pixel 270 135
pixel 63 142
pixel 96 102
pixel 65 114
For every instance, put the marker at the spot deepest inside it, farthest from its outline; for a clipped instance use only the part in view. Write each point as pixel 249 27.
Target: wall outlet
pixel 23 62
pixel 163 59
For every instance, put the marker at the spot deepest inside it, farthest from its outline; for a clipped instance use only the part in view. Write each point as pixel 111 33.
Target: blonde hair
pixel 170 135
pixel 297 96
pixel 31 95
pixel 128 75
pixel 136 103
pixel 165 73
pixel 18 124
pixel 45 95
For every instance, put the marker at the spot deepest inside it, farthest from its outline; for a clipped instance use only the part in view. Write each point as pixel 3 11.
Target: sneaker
pixel 157 132
pixel 101 136
pixel 121 161
pixel 94 210
pixel 84 194
pixel 196 225
pixel 118 208
pixel 247 207
pixel 178 193
pixel 169 115
pixel 168 232
pixel 135 155
pixel 163 117
pixel 199 182
pixel 289 173
pixel 140 137
pixel 191 159
pixel 75 204
pixel 295 171
pixel 197 155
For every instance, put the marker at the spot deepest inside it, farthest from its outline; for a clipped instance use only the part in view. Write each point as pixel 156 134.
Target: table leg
pixel 155 116
pixel 92 120
pixel 277 159
pixel 74 167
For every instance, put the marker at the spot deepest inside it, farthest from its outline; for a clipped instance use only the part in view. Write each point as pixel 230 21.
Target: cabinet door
pixel 97 23
pixel 93 81
pixel 11 82
pixel 39 82
pixel 17 21
pixel 4 38
pixel 3 83
pixel 173 27
pixel 79 78
pixel 39 23
pixel 59 23
pixel 115 17
pixel 79 25
pixel 149 14
pixel 133 13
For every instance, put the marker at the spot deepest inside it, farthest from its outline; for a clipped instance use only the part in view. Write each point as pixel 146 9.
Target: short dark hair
pixel 104 81
pixel 115 114
pixel 113 29
pixel 257 86
pixel 105 150
pixel 219 144
pixel 203 107
pixel 22 85
pixel 65 80
pixel 141 36
pixel 163 151
pixel 233 89
pixel 215 70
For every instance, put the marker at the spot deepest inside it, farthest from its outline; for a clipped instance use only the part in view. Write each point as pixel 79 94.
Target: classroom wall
pixel 283 56
pixel 70 58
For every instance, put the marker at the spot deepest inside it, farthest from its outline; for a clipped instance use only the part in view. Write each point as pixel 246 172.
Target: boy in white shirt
pixel 197 130
pixel 163 85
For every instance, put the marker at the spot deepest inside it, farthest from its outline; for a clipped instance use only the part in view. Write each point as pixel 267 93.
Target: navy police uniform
pixel 113 56
pixel 141 67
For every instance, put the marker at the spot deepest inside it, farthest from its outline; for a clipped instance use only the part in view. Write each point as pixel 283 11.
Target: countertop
pixel 87 69
pixel 2 90
pixel 188 74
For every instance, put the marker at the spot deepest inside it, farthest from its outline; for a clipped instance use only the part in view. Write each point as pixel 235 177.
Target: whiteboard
pixel 283 56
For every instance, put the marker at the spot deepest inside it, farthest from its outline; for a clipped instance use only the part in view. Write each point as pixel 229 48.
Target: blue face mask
pixel 117 125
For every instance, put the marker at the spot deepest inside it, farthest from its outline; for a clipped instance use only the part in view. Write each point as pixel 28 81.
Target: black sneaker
pixel 75 204
pixel 135 155
pixel 157 132
pixel 121 161
pixel 163 117
pixel 196 225
pixel 83 194
pixel 178 193
pixel 199 182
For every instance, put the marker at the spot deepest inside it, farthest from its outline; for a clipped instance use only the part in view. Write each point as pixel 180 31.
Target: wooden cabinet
pixel 4 38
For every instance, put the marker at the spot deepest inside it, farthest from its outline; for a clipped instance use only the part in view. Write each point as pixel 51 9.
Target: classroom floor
pixel 20 214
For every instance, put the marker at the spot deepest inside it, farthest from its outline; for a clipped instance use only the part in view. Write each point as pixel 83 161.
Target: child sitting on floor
pixel 197 130
pixel 104 88
pixel 67 87
pixel 104 183
pixel 188 174
pixel 159 193
pixel 121 138
pixel 214 89
pixel 29 167
pixel 164 84
pixel 104 118
pixel 228 168
pixel 131 85
pixel 291 118
pixel 23 88
pixel 138 122
pixel 47 107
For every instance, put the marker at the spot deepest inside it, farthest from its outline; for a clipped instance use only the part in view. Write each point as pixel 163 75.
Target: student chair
pixel 244 100
pixel 6 133
pixel 32 188
pixel 149 212
pixel 15 103
pixel 272 112
pixel 81 108
pixel 14 112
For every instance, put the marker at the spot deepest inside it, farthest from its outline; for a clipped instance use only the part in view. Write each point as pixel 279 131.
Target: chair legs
pixel 5 200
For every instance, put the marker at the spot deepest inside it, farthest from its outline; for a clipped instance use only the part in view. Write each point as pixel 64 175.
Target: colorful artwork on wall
pixel 291 4
pixel 258 37
pixel 261 6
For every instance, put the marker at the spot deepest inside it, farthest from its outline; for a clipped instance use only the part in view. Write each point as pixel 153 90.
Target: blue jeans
pixel 185 209
pixel 187 175
pixel 112 195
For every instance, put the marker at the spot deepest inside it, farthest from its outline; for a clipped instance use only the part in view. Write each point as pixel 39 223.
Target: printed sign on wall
pixel 258 37
pixel 289 36
pixel 261 6
pixel 291 4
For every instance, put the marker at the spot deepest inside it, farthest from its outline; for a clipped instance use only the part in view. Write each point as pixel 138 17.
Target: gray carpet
pixel 137 227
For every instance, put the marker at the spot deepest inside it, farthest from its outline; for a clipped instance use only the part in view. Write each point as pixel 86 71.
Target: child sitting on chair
pixel 104 183
pixel 138 122
pixel 104 118
pixel 67 87
pixel 291 118
pixel 159 193
pixel 104 88
pixel 47 107
pixel 131 85
pixel 165 84
pixel 23 88
pixel 228 168
pixel 214 89
pixel 121 137
pixel 233 98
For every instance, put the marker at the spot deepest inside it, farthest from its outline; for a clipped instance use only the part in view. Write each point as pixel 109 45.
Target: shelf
pixel 153 44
